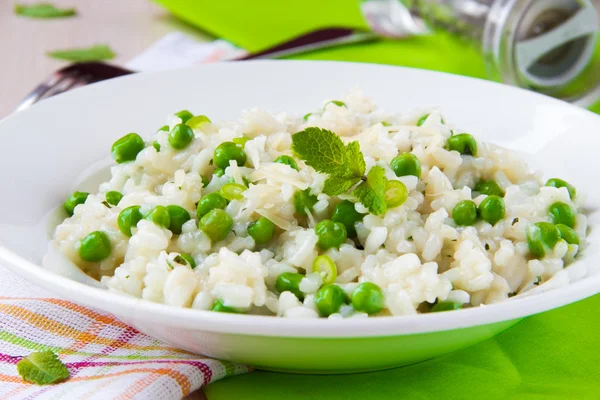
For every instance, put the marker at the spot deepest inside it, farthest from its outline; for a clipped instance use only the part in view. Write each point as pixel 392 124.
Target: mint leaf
pixel 356 161
pixel 325 152
pixel 42 368
pixel 371 193
pixel 340 182
pixel 43 10
pixel 94 53
pixel 321 149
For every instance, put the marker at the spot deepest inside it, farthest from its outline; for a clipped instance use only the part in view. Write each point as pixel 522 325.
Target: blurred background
pixel 550 46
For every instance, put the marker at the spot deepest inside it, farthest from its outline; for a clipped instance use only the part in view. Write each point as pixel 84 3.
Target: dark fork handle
pixel 75 75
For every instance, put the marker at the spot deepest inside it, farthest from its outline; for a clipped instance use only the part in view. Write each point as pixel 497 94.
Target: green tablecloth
pixel 553 355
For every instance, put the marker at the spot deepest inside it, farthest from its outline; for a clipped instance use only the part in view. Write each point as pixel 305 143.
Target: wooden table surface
pixel 127 26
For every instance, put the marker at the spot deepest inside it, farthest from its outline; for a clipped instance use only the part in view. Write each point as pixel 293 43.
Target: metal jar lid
pixel 549 46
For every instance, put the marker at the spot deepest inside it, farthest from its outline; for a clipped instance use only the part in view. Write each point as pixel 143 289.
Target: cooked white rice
pixel 415 252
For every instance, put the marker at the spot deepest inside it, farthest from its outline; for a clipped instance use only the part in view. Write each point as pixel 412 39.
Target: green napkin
pixel 553 355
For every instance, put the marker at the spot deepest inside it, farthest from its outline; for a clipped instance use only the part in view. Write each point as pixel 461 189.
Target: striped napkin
pixel 106 358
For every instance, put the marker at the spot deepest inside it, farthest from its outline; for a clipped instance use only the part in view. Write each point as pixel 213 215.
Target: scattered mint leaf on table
pixel 42 368
pixel 325 152
pixel 43 10
pixel 93 53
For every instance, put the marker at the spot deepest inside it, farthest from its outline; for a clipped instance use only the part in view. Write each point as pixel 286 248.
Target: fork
pixel 82 74
pixel 71 77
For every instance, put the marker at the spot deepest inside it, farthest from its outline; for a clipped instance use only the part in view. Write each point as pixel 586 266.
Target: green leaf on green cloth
pixel 93 53
pixel 42 368
pixel 43 10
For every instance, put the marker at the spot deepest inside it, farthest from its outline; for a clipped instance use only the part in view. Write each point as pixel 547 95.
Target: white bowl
pixel 51 147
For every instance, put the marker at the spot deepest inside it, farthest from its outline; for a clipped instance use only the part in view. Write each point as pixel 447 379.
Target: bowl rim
pixel 135 309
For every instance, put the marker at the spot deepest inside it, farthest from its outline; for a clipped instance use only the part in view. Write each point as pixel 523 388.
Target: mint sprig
pixel 372 191
pixel 325 152
pixel 42 368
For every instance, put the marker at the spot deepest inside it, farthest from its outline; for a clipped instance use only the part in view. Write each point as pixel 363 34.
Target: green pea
pixel 368 298
pixel 336 102
pixel 113 197
pixel 330 234
pixel 184 115
pixel 129 218
pixel 210 202
pixel 446 306
pixel 329 299
pixel 463 143
pixel 95 247
pixel 325 267
pixel 304 200
pixel 156 146
pixel 216 224
pixel 219 172
pixel 568 234
pixel 127 148
pixel 196 121
pixel 160 216
pixel 287 160
pixel 164 128
pixel 492 209
pixel 262 230
pixel 562 213
pixel 541 237
pixel 181 136
pixel 240 141
pixel 395 193
pixel 227 151
pixel 558 183
pixel 465 213
pixel 290 282
pixel 218 306
pixel 346 214
pixel 178 216
pixel 489 188
pixel 74 200
pixel 422 119
pixel 232 191
pixel 188 259
pixel 406 164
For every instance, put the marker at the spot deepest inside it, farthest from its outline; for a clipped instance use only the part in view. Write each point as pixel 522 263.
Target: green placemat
pixel 555 355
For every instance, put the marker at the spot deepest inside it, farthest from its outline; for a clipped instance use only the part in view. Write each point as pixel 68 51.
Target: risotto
pixel 346 212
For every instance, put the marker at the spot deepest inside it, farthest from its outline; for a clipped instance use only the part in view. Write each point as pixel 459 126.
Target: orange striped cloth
pixel 106 358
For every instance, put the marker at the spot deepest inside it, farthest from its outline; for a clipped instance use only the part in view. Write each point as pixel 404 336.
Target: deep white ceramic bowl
pixel 51 147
